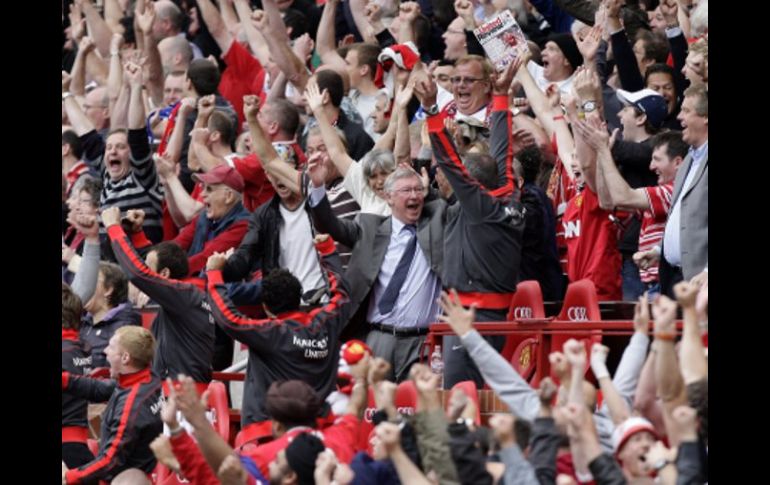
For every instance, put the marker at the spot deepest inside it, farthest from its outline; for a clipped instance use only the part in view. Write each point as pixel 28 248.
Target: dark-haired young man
pixel 289 343
pixel 359 142
pixel 184 327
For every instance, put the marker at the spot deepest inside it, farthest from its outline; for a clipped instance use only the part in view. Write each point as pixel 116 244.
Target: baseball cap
pixel 648 102
pixel 222 174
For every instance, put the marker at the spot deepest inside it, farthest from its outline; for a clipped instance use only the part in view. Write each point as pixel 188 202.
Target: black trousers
pixel 458 365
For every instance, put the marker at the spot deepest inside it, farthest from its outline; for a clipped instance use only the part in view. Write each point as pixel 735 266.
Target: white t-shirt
pixel 357 186
pixel 298 253
pixel 565 86
pixel 364 104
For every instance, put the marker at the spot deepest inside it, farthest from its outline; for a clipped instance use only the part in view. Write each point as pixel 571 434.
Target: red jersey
pixel 340 437
pixel 561 188
pixel 243 75
pixel 592 245
pixel 654 223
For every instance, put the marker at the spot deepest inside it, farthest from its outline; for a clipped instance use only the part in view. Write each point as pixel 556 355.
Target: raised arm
pixel 257 43
pixel 133 72
pixel 97 28
pixel 271 161
pixel 617 406
pixel 583 440
pixel 390 435
pixel 77 117
pixel 671 387
pixel 317 101
pixel 407 13
pixel 550 116
pixel 216 23
pixel 144 20
pixel 693 361
pixel 270 23
pixel 182 207
pixel 403 146
pixel 176 140
pixel 78 82
pixel 575 353
pixel 115 76
pixel 358 9
pixel 325 38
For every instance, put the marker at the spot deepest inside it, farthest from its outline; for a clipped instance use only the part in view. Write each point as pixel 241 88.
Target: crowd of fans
pixel 311 185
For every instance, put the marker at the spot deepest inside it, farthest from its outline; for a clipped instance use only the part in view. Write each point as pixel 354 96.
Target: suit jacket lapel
pixel 381 242
pixel 681 176
pixel 698 174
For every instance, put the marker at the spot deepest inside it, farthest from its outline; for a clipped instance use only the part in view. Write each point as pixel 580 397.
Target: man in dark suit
pixel 685 242
pixel 397 259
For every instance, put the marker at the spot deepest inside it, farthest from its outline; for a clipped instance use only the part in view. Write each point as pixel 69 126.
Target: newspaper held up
pixel 502 39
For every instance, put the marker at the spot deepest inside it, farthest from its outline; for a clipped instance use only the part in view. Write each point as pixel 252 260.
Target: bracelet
pixel 558 117
pixel 666 336
pixel 65 95
pixel 176 431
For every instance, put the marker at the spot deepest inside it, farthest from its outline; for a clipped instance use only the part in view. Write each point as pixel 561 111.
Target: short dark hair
pixel 655 45
pixel 204 76
pixel 672 139
pixel 114 277
pixel 483 168
pixel 297 21
pixel 172 257
pixel 522 431
pixel 292 403
pixel 281 291
pixel 71 308
pixel 531 159
pixel 656 68
pixel 367 56
pixel 221 122
pixel 330 80
pixel 71 138
pixel 285 114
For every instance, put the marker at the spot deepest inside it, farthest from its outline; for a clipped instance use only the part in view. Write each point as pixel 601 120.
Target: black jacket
pixel 184 327
pixel 130 422
pixel 468 458
pixel 74 410
pixel 295 345
pixel 544 446
pixel 96 336
pixel 606 471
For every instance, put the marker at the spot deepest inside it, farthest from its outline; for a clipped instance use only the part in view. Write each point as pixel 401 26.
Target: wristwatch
pixel 589 106
pixel 661 464
pixel 431 110
pixel 515 111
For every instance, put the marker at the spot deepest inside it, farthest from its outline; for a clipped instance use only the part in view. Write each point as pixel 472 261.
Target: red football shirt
pixel 654 223
pixel 339 437
pixel 244 75
pixel 592 245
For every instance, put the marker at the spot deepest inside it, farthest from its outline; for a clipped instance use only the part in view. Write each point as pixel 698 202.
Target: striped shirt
pixel 654 223
pixel 140 189
pixel 344 207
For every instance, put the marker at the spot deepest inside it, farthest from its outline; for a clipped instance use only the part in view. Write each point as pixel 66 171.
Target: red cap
pixel 222 174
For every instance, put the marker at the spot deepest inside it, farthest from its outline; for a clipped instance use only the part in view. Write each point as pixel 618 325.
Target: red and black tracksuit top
pixel 294 345
pixel 184 327
pixel 484 228
pixel 130 422
pixel 74 409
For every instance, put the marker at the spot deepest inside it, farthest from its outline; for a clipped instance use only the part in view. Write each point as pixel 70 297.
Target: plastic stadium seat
pixel 405 402
pixel 580 304
pixel 221 410
pixel 470 390
pixel 527 303
pixel 524 358
pixel 254 433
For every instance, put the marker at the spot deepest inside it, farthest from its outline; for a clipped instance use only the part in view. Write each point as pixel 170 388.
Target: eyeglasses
pixel 407 191
pixel 465 81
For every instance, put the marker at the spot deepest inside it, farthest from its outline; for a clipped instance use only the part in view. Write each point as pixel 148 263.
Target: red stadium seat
pixel 524 358
pixel 221 410
pixel 406 398
pixel 255 433
pixel 580 304
pixel 527 304
pixel 469 388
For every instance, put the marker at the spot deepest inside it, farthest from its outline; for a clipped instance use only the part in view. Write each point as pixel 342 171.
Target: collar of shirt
pixel 700 152
pixel 397 226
